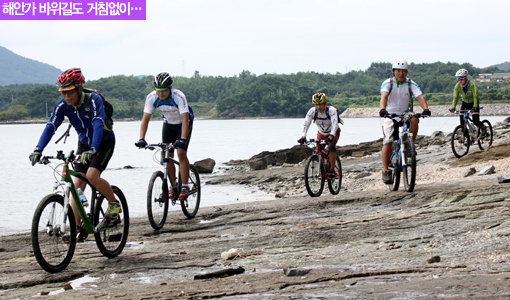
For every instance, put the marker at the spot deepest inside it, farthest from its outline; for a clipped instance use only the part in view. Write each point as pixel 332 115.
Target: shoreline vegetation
pixel 448 238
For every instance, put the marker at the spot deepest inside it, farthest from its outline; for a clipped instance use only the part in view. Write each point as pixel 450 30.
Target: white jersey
pixel 326 125
pixel 171 108
pixel 398 99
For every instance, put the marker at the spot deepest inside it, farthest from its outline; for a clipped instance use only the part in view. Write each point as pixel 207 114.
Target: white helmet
pixel 461 73
pixel 400 64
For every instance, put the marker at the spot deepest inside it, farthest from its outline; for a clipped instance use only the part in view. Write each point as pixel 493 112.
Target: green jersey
pixel 471 96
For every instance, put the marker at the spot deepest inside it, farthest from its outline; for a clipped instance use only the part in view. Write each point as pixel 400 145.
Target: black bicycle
pixel 317 168
pixel 403 156
pixel 465 136
pixel 54 227
pixel 160 184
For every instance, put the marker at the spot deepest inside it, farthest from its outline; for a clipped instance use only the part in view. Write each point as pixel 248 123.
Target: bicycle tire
pixel 50 251
pixel 191 204
pixel 395 168
pixel 314 177
pixel 157 200
pixel 460 141
pixel 409 165
pixel 335 184
pixel 484 142
pixel 112 237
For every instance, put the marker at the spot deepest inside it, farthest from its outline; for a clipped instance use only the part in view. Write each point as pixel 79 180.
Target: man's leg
pixel 184 165
pixel 386 153
pixel 414 128
pixel 94 177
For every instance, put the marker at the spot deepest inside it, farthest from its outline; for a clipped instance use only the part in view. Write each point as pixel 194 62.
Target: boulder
pixel 205 165
pixel 257 164
pixel 504 178
pixel 487 170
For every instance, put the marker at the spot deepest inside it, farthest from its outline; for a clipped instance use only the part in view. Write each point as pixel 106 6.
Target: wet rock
pixel 258 164
pixel 295 272
pixel 434 259
pixel 487 170
pixel 205 165
pixel 504 178
pixel 469 172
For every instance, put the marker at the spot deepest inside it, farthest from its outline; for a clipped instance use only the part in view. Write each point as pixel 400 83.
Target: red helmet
pixel 70 79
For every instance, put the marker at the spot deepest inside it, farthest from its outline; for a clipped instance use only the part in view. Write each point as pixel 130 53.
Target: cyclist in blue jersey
pixel 396 95
pixel 177 124
pixel 96 140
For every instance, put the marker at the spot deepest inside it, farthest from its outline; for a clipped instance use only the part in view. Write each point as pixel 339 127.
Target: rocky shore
pixel 488 109
pixel 448 239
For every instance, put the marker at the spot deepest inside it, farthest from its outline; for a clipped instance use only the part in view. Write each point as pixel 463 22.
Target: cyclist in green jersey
pixel 468 91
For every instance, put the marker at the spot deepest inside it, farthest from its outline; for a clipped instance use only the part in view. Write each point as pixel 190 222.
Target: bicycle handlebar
pixel 406 115
pixel 60 156
pixel 160 145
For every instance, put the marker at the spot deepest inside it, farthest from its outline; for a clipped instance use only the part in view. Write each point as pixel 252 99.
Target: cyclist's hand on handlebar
pixel 87 155
pixel 302 140
pixel 426 112
pixel 141 143
pixel 476 109
pixel 452 110
pixel 35 156
pixel 383 113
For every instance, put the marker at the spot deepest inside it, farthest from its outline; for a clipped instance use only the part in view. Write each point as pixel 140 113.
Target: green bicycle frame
pixel 66 177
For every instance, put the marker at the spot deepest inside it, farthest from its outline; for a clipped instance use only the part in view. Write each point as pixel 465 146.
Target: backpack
pixel 411 105
pixel 108 107
pixel 172 102
pixel 340 121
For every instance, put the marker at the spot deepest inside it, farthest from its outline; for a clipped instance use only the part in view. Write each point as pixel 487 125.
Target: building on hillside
pixel 500 76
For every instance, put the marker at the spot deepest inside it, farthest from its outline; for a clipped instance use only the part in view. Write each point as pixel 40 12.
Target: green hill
pixel 15 69
pixel 503 66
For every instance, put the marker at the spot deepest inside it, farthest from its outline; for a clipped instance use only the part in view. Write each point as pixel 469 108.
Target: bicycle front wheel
pixel 460 141
pixel 192 202
pixel 314 179
pixel 394 167
pixel 157 200
pixel 50 250
pixel 334 184
pixel 409 165
pixel 112 235
pixel 485 135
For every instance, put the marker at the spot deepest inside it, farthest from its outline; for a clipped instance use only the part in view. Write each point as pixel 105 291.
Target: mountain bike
pixel 54 227
pixel 403 153
pixel 465 136
pixel 160 184
pixel 317 170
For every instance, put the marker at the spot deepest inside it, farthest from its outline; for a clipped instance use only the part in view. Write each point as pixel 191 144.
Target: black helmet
pixel 162 81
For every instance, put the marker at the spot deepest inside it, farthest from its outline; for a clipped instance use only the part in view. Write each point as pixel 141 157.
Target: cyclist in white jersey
pixel 177 126
pixel 396 93
pixel 326 118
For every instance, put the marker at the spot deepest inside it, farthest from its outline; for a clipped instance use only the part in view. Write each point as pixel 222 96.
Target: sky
pixel 225 37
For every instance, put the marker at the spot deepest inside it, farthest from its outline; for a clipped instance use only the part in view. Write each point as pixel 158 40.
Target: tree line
pixel 249 95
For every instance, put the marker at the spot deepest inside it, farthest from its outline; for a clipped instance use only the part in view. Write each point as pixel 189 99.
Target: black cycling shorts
pixel 100 161
pixel 172 131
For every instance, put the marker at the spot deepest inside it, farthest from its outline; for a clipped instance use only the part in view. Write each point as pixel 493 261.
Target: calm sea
pixel 23 186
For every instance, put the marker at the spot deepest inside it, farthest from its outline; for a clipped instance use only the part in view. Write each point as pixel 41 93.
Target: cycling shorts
pixel 100 161
pixel 171 132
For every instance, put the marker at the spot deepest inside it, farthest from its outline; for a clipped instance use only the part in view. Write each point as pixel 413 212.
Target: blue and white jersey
pixel 171 108
pixel 398 99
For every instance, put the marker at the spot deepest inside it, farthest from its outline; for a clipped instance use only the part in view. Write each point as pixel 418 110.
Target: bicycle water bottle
pixel 83 198
pixel 162 160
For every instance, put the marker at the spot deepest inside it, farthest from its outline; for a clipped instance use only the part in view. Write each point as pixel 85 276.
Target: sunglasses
pixel 460 78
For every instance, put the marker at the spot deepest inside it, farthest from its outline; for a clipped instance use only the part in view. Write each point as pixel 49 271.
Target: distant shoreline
pixel 489 109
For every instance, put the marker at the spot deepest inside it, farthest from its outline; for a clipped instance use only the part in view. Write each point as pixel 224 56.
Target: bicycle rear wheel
pixel 335 184
pixel 157 200
pixel 460 141
pixel 314 179
pixel 409 165
pixel 112 235
pixel 191 204
pixel 485 135
pixel 50 250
